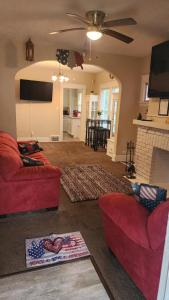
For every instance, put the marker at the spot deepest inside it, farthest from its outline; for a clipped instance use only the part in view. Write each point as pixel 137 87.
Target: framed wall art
pixel 163 107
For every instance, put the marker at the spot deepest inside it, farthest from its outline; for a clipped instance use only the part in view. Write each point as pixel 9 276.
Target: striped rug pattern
pixel 89 182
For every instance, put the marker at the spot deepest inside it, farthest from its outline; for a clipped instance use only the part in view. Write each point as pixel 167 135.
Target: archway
pixel 43 120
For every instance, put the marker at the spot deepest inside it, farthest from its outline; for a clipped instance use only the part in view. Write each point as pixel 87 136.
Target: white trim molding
pixel 120 157
pixel 37 138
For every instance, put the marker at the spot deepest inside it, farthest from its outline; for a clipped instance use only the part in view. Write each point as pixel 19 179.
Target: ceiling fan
pixel 96 26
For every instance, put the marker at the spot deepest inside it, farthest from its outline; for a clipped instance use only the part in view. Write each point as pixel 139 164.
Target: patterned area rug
pixel 90 182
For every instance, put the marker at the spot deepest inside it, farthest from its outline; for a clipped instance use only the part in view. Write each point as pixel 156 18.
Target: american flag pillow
pixel 148 192
pixel 151 196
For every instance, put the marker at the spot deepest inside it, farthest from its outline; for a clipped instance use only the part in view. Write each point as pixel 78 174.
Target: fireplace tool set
pixel 130 168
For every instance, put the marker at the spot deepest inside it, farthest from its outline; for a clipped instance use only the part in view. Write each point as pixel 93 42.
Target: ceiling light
pixel 94 35
pixel 66 78
pixel 60 77
pixel 54 77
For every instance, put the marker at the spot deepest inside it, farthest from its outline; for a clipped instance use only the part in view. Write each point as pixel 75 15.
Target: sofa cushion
pixel 8 137
pixel 10 161
pixel 40 156
pixel 36 173
pixel 7 140
pixel 128 215
pixel 157 223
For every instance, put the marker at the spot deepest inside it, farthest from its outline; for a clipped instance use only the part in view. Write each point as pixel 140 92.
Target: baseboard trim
pixel 33 138
pixel 121 157
pixel 43 139
pixel 25 138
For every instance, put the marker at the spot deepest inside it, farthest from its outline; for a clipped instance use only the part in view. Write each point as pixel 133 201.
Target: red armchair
pixel 25 188
pixel 136 237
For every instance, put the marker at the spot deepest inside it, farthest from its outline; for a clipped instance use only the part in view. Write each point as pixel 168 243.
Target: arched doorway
pixel 43 121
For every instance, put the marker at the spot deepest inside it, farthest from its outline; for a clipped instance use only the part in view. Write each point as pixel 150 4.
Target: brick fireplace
pixel 152 153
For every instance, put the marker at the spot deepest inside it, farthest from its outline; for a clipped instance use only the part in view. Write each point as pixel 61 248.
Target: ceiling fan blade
pixel 67 30
pixel 79 18
pixel 119 22
pixel 118 35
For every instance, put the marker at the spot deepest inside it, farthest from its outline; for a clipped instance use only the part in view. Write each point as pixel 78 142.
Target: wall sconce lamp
pixel 29 50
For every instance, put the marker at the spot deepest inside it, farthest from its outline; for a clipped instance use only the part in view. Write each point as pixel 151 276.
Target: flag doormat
pixel 55 248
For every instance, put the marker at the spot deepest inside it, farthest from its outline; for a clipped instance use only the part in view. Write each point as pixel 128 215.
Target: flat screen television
pixel 36 90
pixel 159 72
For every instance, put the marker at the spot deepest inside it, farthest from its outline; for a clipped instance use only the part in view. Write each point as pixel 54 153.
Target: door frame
pixel 70 85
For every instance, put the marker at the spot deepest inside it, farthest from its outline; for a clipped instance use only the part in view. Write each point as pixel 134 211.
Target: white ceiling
pixel 20 19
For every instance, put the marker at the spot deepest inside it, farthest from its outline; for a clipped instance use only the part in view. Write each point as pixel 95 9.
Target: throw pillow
pixel 136 190
pixel 31 162
pixel 148 195
pixel 29 148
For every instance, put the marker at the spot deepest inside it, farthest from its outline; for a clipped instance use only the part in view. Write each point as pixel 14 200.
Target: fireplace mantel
pixel 151 124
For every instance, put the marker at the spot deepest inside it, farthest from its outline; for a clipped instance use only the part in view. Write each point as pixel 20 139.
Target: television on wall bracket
pixel 36 90
pixel 159 72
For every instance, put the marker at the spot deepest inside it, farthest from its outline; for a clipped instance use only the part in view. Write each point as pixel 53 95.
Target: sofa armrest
pixel 157 224
pixel 36 172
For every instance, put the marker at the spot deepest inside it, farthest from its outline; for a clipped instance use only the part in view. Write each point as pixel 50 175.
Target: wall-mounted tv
pixel 35 90
pixel 159 72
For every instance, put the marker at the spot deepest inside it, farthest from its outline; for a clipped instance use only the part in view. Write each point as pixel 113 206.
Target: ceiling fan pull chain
pixel 90 50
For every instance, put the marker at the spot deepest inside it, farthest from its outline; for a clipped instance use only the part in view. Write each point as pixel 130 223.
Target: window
pixel 114 116
pixel 144 89
pixel 115 90
pixel 79 102
pixel 109 99
pixel 146 98
pixel 104 103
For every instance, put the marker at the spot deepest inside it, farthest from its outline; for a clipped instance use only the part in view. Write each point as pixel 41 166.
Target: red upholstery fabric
pixel 10 161
pixel 157 225
pixel 127 241
pixel 25 188
pixel 125 212
pixel 8 138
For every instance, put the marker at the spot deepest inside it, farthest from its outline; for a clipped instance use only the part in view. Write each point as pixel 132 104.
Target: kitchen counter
pixel 71 125
pixel 70 117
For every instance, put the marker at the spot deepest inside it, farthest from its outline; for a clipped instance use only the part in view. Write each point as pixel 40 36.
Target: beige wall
pixel 126 69
pixel 145 68
pixel 104 78
pixel 39 119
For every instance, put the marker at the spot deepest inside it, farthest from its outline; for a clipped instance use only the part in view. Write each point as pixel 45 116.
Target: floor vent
pixel 54 138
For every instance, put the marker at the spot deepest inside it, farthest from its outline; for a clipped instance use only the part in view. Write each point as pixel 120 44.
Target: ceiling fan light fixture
pixel 94 35
pixel 66 78
pixel 60 77
pixel 54 77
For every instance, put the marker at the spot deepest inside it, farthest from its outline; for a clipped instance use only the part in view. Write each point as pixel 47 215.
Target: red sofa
pixel 136 237
pixel 25 188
